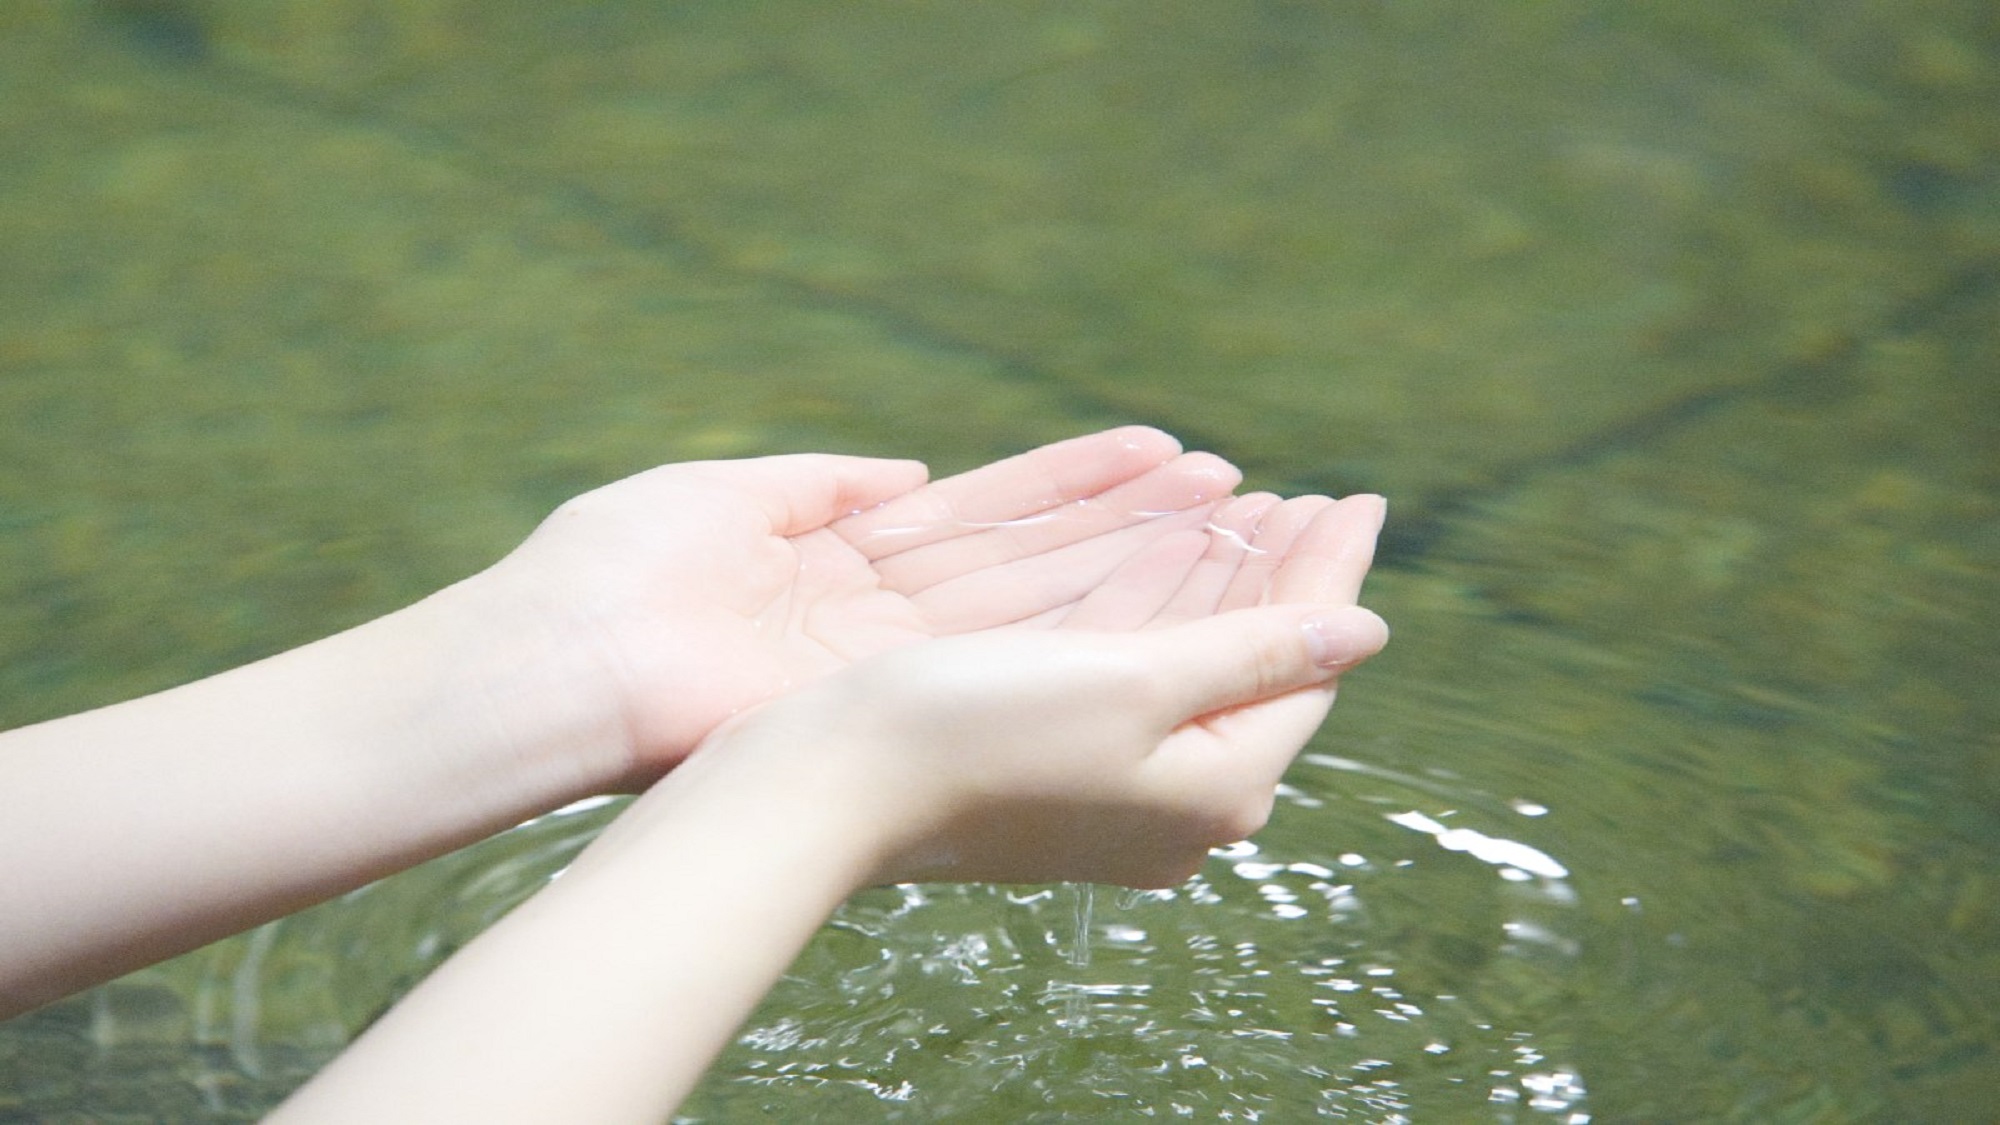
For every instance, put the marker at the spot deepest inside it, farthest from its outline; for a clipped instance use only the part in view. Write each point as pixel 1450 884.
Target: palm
pixel 703 590
pixel 795 608
pixel 1052 731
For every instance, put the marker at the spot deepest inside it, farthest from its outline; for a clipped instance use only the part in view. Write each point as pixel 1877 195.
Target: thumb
pixel 802 492
pixel 1251 654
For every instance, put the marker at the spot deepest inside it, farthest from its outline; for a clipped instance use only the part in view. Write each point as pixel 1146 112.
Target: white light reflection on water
pixel 1369 956
pixel 1350 963
pixel 1515 859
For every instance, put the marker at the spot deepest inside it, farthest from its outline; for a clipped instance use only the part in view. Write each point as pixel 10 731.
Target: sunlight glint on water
pixel 1347 962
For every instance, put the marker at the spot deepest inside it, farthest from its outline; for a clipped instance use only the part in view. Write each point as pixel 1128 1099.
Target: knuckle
pixel 1276 665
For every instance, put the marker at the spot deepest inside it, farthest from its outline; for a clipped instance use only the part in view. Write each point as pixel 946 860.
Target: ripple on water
pixel 1391 948
pixel 1395 950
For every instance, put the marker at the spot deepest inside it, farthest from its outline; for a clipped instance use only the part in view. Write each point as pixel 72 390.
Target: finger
pixel 802 492
pixel 1018 486
pixel 1330 557
pixel 1040 588
pixel 1253 685
pixel 1232 659
pixel 1276 532
pixel 1232 761
pixel 1232 531
pixel 1134 593
pixel 1181 483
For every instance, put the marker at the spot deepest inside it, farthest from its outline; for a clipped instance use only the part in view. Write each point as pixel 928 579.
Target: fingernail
pixel 1344 636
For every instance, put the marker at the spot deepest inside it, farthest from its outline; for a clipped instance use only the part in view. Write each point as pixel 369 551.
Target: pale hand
pixel 679 597
pixel 1153 724
pixel 1150 725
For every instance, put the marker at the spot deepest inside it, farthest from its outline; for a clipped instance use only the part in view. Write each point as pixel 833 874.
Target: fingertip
pixel 1330 558
pixel 865 483
pixel 899 474
pixel 1238 517
pixel 1345 636
pixel 1216 475
pixel 1376 503
pixel 1145 439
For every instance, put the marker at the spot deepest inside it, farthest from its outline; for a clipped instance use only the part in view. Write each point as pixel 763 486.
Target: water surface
pixel 1668 329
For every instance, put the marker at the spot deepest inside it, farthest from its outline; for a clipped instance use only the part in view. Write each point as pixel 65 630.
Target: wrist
pixel 471 682
pixel 771 793
pixel 266 788
pixel 607 993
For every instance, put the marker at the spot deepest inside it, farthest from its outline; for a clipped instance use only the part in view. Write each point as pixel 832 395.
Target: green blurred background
pixel 1672 330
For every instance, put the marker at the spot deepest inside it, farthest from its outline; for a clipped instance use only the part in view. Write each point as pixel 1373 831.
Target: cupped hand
pixel 1152 724
pixel 689 593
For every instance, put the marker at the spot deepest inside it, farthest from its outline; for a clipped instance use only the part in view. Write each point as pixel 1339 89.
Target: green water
pixel 1672 329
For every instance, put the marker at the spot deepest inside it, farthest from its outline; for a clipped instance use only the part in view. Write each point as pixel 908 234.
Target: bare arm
pixel 603 997
pixel 591 659
pixel 1104 753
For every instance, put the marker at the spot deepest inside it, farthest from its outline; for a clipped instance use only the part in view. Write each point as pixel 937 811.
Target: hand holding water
pixel 1150 723
pixel 676 598
pixel 592 658
pixel 1116 665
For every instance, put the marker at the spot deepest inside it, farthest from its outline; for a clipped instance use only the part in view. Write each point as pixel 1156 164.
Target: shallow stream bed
pixel 1671 330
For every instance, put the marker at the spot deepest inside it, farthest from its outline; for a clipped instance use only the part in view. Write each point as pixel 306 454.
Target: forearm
pixel 153 826
pixel 1019 755
pixel 606 996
